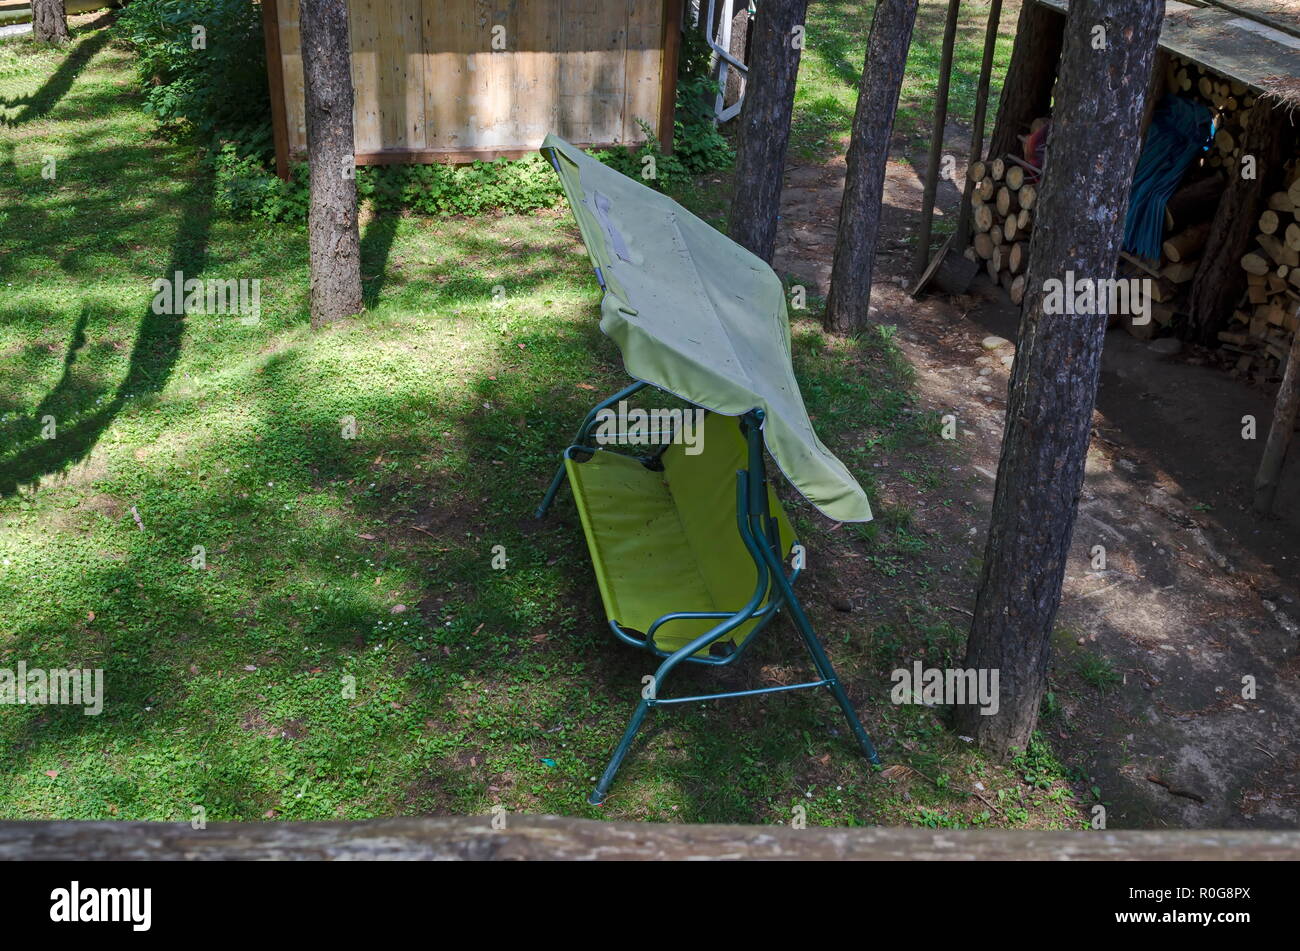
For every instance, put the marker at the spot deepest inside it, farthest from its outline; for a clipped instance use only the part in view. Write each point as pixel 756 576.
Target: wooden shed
pixel 1223 268
pixel 1240 60
pixel 458 80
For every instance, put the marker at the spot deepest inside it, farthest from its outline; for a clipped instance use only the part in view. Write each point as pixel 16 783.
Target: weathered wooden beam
pixel 672 43
pixel 1269 475
pixel 557 837
pixel 922 260
pixel 275 79
pixel 1219 279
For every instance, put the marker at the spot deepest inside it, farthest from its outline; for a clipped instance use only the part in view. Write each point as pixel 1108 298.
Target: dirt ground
pixel 1199 597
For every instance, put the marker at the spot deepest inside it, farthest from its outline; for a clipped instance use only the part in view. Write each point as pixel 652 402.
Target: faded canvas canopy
pixel 698 316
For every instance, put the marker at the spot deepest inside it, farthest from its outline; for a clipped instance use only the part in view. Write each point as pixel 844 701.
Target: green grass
pixel 1098 672
pixel 345 649
pixel 831 68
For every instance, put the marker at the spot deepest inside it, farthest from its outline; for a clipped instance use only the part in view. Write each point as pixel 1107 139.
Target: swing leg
pixel 821 661
pixel 842 698
pixel 827 672
pixel 551 492
pixel 607 778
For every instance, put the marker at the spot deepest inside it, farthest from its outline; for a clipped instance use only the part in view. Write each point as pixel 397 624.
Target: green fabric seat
pixel 667 541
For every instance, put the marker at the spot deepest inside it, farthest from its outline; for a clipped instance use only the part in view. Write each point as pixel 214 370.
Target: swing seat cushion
pixel 668 541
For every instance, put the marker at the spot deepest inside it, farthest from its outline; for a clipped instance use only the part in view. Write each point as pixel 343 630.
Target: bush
pixel 519 186
pixel 247 188
pixel 218 91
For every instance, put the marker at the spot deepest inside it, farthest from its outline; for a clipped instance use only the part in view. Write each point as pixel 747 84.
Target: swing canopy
pixel 699 317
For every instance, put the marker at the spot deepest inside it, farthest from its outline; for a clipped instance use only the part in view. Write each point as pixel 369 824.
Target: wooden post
pixel 672 44
pixel 1219 280
pixel 1155 90
pixel 1279 433
pixel 275 82
pixel 936 140
pixel 977 123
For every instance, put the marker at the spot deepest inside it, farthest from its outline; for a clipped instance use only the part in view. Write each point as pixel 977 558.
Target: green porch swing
pixel 689 547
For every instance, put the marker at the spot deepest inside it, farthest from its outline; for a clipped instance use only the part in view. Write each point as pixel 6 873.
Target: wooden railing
pixel 556 837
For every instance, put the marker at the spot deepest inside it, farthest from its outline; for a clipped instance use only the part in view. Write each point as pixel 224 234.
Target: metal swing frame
pixel 774 590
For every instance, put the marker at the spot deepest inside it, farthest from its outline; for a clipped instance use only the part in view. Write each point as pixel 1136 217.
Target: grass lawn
pixel 831 68
pixel 300 625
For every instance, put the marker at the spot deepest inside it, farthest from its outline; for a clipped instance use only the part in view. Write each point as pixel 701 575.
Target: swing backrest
pixel 703 487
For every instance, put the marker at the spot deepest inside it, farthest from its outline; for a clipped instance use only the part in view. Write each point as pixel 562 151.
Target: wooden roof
pixel 1231 44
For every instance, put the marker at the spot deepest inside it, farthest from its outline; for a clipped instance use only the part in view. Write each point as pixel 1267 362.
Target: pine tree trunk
pixel 765 124
pixel 1027 90
pixel 49 21
pixel 1094 146
pixel 873 127
pixel 333 238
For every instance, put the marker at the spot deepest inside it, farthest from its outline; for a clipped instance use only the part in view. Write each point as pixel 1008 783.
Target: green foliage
pixel 697 143
pixel 1097 671
pixel 246 188
pixel 694 58
pixel 218 91
pixel 1037 764
pixel 221 93
pixel 474 189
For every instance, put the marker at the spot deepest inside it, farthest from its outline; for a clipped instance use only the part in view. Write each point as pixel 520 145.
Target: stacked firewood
pixel 1268 317
pixel 1004 192
pixel 1228 99
pixel 1187 227
pixel 1188 213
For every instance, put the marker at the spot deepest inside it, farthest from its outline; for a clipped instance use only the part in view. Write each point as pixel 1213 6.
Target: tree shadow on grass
pixel 376 244
pixel 39 103
pixel 154 355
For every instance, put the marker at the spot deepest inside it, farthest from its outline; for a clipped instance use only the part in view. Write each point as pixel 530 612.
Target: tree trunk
pixel 1027 90
pixel 1279 433
pixel 1219 280
pixel 765 124
pixel 333 238
pixel 1094 147
pixel 873 127
pixel 739 48
pixel 49 21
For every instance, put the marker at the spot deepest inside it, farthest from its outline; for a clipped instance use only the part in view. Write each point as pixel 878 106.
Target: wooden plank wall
pixel 429 86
